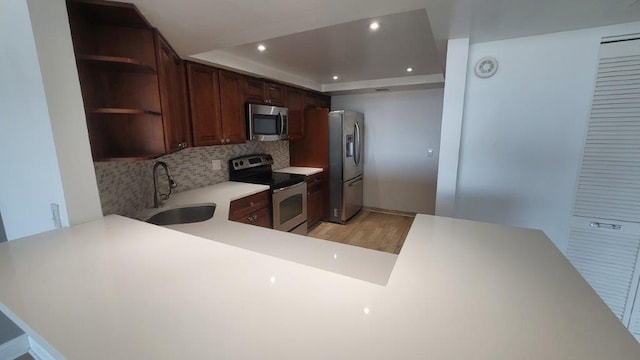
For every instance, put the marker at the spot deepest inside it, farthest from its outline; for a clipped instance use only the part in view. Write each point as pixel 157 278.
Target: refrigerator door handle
pixel 354 183
pixel 358 145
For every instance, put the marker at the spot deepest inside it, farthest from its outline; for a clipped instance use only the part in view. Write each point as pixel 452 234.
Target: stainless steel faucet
pixel 158 197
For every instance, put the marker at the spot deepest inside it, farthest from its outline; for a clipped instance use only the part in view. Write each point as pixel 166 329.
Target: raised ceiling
pixel 307 38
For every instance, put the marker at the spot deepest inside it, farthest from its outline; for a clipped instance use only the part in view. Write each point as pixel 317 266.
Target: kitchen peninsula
pixel 118 288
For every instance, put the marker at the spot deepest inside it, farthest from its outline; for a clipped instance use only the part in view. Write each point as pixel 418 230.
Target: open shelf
pixel 109 13
pixel 115 63
pixel 123 111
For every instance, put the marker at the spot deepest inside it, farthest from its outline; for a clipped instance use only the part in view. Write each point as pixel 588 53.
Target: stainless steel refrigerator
pixel 346 155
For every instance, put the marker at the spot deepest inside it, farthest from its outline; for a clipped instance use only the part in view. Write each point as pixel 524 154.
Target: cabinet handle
pixel 605 225
pixel 251 203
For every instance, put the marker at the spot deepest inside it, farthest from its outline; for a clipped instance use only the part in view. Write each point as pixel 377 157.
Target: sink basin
pixel 184 215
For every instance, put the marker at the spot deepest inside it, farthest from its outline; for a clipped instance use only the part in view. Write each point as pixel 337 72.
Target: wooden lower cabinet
pixel 315 205
pixel 253 210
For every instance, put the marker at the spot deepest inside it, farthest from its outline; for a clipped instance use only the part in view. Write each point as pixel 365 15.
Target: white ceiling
pixel 224 32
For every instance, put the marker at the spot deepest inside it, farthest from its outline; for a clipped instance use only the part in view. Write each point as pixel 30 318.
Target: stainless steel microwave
pixel 267 123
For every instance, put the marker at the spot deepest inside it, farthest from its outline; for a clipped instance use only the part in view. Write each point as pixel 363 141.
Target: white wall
pixel 453 105
pixel 30 179
pixel 64 99
pixel 523 129
pixel 399 128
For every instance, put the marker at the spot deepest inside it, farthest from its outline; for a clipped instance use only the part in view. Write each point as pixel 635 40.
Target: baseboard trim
pixel 15 347
pixel 38 352
pixel 392 212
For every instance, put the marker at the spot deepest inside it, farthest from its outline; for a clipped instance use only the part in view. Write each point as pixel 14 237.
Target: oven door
pixel 289 206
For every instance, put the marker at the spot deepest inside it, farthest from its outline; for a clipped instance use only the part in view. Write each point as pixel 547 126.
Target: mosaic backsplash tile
pixel 127 187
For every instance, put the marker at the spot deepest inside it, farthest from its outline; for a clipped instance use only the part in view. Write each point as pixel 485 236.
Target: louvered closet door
pixel 604 241
pixel 605 253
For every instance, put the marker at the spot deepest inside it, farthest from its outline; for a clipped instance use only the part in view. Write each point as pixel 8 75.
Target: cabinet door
pixel 254 90
pixel 294 103
pixel 324 101
pixel 232 107
pixel 274 94
pixel 310 101
pixel 173 97
pixel 605 252
pixel 204 98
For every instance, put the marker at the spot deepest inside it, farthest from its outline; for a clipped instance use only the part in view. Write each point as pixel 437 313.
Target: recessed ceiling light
pixel 261 47
pixel 409 69
pixel 335 77
pixel 374 25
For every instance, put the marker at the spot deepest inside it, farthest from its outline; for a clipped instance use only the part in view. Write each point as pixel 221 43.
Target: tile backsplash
pixel 127 187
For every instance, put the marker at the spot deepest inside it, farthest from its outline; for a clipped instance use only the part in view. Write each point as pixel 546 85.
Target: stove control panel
pixel 250 161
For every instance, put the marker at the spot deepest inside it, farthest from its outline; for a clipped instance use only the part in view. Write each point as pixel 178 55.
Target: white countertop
pixel 122 289
pixel 364 264
pixel 306 171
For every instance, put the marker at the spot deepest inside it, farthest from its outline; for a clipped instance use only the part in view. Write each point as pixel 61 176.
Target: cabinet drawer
pixel 261 218
pixel 241 207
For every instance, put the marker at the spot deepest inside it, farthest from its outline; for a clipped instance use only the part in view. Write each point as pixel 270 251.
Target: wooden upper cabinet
pixel 204 99
pixel 295 105
pixel 115 51
pixel 254 90
pixel 259 91
pixel 315 100
pixel 274 94
pixel 232 107
pixel 173 96
pixel 324 101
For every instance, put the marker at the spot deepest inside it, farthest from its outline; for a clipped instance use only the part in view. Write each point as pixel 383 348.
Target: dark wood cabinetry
pixel 173 96
pixel 315 206
pixel 217 109
pixel 232 107
pixel 252 210
pixel 314 101
pixel 296 107
pixel 312 149
pixel 116 53
pixel 264 92
pixel 204 101
pixel 143 101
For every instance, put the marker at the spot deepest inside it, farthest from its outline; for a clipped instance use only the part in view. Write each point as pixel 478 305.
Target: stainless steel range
pixel 288 191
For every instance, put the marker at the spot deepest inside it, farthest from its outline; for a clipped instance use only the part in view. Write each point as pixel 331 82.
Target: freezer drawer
pixel 352 197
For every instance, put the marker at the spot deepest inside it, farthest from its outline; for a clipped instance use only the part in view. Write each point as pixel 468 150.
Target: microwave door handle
pixel 281 119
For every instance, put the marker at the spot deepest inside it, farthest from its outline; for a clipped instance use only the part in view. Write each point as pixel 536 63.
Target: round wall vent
pixel 486 67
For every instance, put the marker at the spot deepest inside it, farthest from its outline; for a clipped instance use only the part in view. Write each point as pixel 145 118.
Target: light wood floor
pixel 369 229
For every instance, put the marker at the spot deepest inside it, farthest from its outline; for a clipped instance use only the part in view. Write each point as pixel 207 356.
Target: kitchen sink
pixel 184 215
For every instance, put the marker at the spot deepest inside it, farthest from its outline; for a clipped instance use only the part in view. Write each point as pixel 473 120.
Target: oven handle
pixel 288 187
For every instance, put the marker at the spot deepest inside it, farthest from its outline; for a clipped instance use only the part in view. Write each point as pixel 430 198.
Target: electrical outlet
pixel 216 165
